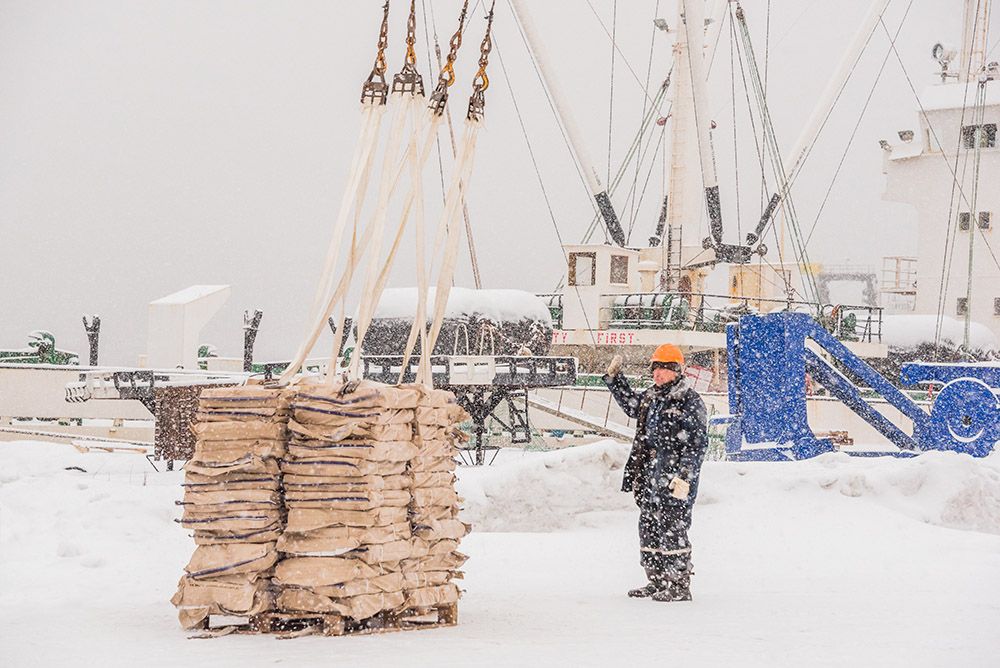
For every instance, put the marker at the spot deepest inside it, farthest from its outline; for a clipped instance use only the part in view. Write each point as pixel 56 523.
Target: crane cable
pixel 408 88
pixel 473 257
pixel 773 147
pixel 461 174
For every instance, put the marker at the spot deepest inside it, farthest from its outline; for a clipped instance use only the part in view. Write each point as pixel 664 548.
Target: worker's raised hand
pixel 679 488
pixel 615 366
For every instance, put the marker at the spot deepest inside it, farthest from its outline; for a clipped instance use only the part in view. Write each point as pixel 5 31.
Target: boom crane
pixel 597 189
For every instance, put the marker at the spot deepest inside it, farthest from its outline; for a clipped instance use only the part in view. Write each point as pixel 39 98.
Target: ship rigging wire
pixel 857 124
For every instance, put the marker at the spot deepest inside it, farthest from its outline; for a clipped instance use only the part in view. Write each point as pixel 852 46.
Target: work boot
pixel 644 592
pixel 676 590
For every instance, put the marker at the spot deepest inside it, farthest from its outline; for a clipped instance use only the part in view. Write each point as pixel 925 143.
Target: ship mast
pixel 690 147
pixel 975 27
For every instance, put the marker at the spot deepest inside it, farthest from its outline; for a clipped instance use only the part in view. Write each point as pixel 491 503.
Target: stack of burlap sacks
pixel 232 502
pixel 363 491
pixel 372 514
pixel 435 560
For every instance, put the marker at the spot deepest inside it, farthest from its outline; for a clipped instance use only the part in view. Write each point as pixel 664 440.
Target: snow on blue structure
pixel 768 361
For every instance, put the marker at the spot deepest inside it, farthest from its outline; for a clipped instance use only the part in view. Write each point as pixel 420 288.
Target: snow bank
pixel 496 305
pixel 909 331
pixel 546 491
pixel 827 548
pixel 580 487
pixel 942 488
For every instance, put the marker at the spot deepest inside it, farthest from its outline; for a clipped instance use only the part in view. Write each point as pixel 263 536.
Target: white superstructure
pixel 948 169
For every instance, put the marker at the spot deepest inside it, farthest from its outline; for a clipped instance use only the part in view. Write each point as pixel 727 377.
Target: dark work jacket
pixel 671 439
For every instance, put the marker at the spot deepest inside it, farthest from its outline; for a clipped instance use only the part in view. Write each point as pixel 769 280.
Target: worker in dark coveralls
pixel 671 438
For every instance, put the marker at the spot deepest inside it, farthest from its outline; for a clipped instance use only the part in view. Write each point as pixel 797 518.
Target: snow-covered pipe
pixel 536 45
pixel 814 125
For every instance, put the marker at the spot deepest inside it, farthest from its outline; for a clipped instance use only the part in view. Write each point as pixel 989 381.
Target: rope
pixel 640 137
pixel 614 46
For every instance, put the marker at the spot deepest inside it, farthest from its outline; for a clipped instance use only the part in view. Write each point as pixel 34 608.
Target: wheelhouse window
pixel 984 220
pixel 979 136
pixel 582 269
pixel 619 270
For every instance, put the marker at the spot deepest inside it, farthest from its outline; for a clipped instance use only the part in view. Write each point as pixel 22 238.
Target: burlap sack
pixel 241 414
pixel 372 483
pixel 270 534
pixel 237 522
pixel 230 454
pixel 302 520
pixel 320 571
pixel 420 548
pixel 250 495
pixel 363 394
pixel 356 607
pixel 435 496
pixel 322 417
pixel 421 579
pixel 239 431
pixel 431 448
pixel 215 560
pixel 385 552
pixel 424 515
pixel 387 582
pixel 256 483
pixel 340 539
pixel 453 529
pixel 250 464
pixel 348 500
pixel 450 561
pixel 238 596
pixel 432 478
pixel 436 398
pixel 247 395
pixel 432 464
pixel 374 451
pixel 429 596
pixel 338 467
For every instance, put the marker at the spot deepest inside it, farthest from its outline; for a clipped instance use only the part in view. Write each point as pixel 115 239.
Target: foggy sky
pixel 149 145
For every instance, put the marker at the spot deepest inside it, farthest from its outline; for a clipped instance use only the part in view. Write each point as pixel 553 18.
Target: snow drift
pixel 910 331
pixel 580 486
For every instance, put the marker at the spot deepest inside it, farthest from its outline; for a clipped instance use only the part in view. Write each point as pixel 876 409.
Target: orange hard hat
pixel 668 352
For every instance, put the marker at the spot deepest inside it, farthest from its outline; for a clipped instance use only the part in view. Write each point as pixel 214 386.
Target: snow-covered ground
pixel 835 561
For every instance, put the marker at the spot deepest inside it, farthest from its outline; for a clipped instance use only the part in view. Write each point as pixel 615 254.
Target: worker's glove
pixel 679 489
pixel 615 366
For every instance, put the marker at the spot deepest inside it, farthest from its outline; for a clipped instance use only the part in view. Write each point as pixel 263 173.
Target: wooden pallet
pixel 295 625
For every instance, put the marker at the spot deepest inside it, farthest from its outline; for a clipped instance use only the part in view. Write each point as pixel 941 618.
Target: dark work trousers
pixel 665 551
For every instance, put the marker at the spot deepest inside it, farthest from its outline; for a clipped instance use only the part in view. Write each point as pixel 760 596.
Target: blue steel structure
pixel 768 362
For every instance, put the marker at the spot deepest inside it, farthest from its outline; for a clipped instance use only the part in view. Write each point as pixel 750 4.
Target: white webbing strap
pixel 387 187
pixel 362 243
pixel 449 223
pixel 352 198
